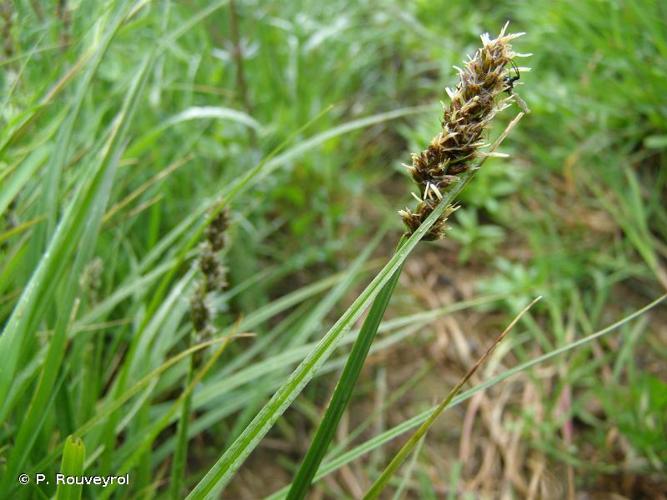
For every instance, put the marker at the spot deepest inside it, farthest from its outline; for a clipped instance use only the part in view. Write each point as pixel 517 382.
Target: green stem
pixel 181 453
pixel 344 388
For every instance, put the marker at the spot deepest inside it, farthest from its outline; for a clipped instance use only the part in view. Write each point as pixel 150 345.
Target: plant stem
pixel 181 453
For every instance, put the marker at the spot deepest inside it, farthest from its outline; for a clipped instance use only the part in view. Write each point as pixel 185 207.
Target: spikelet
pixel 473 104
pixel 212 272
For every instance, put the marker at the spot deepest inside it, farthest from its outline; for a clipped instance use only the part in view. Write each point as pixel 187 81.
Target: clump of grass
pixel 95 364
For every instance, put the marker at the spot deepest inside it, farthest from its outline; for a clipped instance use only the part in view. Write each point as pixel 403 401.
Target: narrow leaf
pixel 74 455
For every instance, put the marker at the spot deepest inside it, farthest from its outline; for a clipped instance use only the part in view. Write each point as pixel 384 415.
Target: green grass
pixel 126 128
pixel 74 455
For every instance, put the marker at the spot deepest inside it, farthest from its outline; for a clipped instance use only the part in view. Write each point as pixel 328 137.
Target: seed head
pixel 473 104
pixel 216 231
pixel 424 208
pixel 212 271
pixel 199 310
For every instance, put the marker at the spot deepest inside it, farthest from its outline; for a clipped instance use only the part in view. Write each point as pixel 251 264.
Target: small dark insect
pixel 510 79
pixel 509 88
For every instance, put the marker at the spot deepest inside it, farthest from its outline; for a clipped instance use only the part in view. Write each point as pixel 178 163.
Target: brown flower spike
pixel 456 148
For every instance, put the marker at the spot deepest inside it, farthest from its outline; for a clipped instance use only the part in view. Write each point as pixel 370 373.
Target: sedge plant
pixel 450 161
pixel 441 171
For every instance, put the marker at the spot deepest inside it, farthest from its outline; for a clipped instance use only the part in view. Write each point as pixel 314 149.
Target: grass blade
pixel 181 452
pixel 344 389
pixel 72 465
pixel 410 469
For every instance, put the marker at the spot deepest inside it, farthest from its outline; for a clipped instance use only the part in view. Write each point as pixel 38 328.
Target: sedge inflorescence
pixel 473 104
pixel 213 273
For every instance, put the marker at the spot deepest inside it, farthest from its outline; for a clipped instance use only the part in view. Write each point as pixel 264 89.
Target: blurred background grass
pixel 577 214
